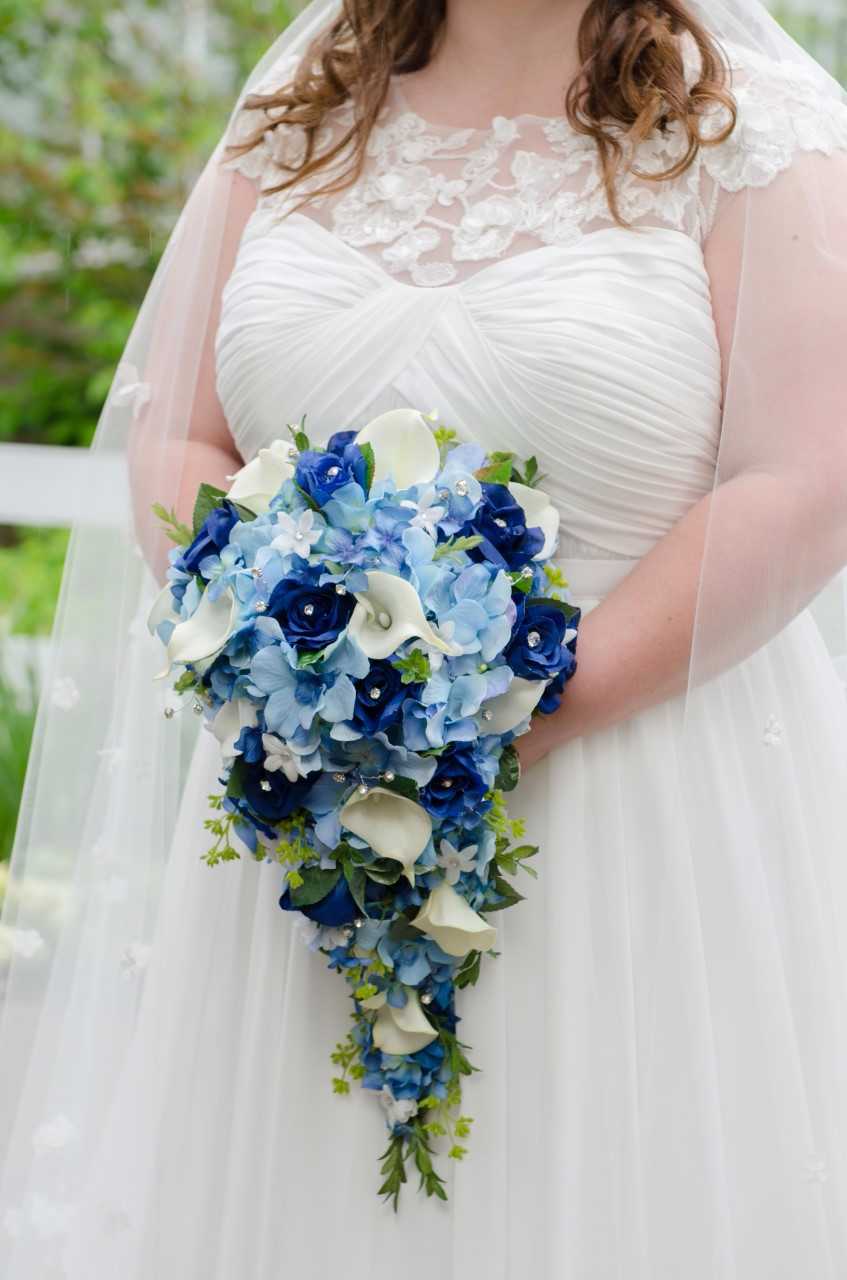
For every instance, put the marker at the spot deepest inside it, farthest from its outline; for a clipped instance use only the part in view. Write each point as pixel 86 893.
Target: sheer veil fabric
pixel 108 771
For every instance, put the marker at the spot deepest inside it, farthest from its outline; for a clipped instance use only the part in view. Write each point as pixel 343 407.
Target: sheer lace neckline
pixel 495 123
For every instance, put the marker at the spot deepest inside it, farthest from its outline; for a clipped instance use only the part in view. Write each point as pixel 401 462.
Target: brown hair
pixel 631 75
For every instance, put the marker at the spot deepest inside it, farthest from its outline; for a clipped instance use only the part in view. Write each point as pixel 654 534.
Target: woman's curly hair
pixel 631 82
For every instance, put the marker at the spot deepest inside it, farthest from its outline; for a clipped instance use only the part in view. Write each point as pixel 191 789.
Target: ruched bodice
pixel 600 358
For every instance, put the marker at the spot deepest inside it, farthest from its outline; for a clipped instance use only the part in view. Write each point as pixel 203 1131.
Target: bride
pixel 612 235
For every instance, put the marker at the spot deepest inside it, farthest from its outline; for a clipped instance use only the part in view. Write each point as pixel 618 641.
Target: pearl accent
pixel 533 639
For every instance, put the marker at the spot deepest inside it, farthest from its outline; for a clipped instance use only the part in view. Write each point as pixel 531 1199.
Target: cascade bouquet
pixel 366 627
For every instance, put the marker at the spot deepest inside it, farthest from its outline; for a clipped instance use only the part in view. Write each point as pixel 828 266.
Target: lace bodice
pixel 434 200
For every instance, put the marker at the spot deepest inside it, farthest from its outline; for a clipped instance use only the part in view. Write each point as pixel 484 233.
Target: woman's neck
pixel 501 57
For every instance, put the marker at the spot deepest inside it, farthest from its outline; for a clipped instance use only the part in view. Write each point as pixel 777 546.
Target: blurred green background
pixel 107 113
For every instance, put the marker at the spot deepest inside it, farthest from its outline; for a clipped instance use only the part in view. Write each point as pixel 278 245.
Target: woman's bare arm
pixel 203 449
pixel 778 533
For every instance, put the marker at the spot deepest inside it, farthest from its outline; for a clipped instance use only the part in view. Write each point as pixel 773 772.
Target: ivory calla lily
pixel 387 614
pixel 204 634
pixel 162 610
pixel 230 720
pixel 394 826
pixel 404 447
pixel 540 514
pixel 455 926
pixel 403 1030
pixel 257 482
pixel 507 710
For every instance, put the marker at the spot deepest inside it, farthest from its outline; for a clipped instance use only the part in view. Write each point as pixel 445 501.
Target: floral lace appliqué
pixel 432 199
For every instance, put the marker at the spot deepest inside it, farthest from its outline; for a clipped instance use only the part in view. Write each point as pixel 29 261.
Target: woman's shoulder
pixel 279 149
pixel 783 108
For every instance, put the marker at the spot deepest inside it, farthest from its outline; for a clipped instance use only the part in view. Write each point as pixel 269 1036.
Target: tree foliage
pixel 107 115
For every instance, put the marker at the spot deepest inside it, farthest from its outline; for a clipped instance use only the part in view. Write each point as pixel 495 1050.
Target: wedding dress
pixel 663 1037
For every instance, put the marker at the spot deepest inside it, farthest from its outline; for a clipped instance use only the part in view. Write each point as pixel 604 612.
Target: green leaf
pixel 468 972
pixel 402 787
pixel 508 895
pixel 244 513
pixel 208 498
pixel 509 772
pixel 307 497
pixel 453 546
pixel 301 441
pixel 384 871
pixel 496 472
pixel 235 782
pixel 309 657
pixel 393 1168
pixel 520 581
pixel 357 883
pixel 317 883
pixel 370 464
pixel 179 533
pixel 414 668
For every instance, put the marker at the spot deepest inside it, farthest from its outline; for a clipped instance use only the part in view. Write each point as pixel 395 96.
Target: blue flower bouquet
pixel 366 628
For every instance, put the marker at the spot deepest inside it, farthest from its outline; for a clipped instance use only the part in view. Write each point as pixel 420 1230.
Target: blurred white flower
pixel 24 942
pixel 64 694
pixel 54 1134
pixel 135 958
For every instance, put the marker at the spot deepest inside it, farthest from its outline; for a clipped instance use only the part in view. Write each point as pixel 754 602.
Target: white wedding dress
pixel 663 1038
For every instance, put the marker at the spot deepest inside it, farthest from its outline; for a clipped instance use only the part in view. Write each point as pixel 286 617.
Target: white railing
pixel 56 485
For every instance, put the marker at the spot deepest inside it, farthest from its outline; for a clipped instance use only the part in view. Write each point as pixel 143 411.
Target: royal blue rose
pixel 501 523
pixel 537 650
pixel 338 907
pixel 551 698
pixel 211 538
pixel 320 474
pixel 338 442
pixel 270 795
pixel 379 698
pixel 311 616
pixel 456 786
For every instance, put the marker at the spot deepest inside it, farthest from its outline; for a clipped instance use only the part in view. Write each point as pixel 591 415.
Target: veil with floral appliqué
pixel 104 780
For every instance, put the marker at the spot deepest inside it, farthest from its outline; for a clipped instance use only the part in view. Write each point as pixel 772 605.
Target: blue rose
pixel 212 537
pixel 457 785
pixel 379 698
pixel 537 650
pixel 311 616
pixel 270 795
pixel 320 474
pixel 551 698
pixel 338 442
pixel 336 908
pixel 501 523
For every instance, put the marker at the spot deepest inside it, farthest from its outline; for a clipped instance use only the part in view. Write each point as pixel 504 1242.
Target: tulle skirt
pixel 662 1041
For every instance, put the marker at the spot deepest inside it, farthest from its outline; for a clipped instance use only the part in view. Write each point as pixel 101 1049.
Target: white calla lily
pixel 507 710
pixel 404 447
pixel 403 1030
pixel 540 514
pixel 387 614
pixel 257 482
pixel 204 634
pixel 230 720
pixel 163 610
pixel 394 826
pixel 455 926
